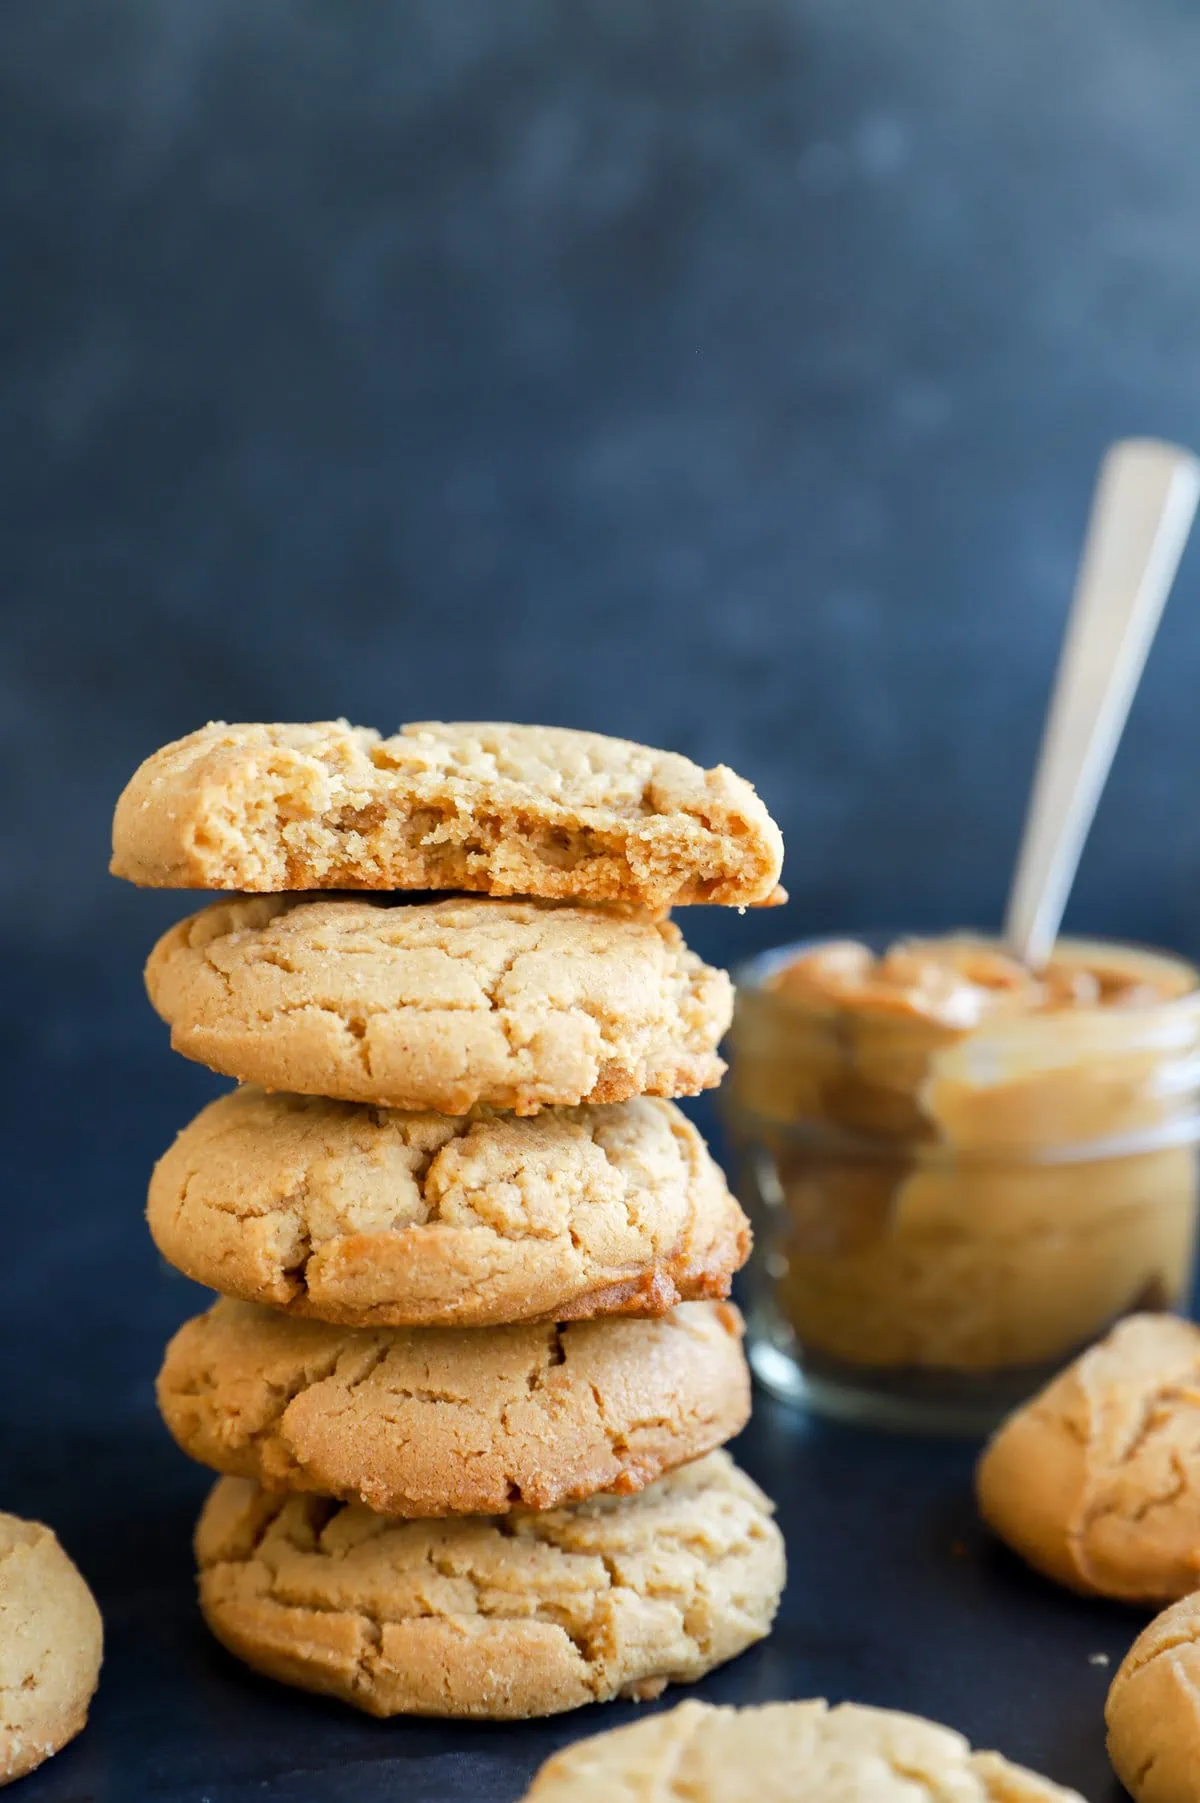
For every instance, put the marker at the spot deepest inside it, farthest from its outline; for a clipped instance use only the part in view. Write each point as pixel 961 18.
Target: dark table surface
pixel 896 1596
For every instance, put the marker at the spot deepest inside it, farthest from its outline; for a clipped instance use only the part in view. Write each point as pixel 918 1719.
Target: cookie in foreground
pixel 442 1005
pixel 1096 1481
pixel 372 1217
pixel 51 1644
pixel 445 1420
pixel 784 1753
pixel 1153 1709
pixel 525 1615
pixel 493 808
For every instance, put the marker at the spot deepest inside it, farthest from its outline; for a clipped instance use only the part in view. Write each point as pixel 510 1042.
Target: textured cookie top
pixel 506 810
pixel 443 1420
pixel 370 1216
pixel 784 1753
pixel 51 1641
pixel 1096 1482
pixel 1153 1709
pixel 441 1005
pixel 520 1615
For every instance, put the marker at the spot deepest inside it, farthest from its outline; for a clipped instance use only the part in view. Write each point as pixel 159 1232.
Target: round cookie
pixel 441 1005
pixel 1153 1709
pixel 527 1615
pixel 784 1753
pixel 51 1642
pixel 508 810
pixel 372 1217
pixel 446 1420
pixel 1096 1482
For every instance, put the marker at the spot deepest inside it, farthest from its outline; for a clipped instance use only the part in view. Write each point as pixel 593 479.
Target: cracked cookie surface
pixel 1096 1482
pixel 506 810
pixel 445 1420
pixel 51 1643
pixel 441 1005
pixel 523 1615
pixel 368 1217
pixel 1153 1709
pixel 785 1753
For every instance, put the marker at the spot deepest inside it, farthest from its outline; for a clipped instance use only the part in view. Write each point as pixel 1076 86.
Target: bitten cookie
pixel 441 1005
pixel 525 1615
pixel 784 1753
pixel 1096 1482
pixel 371 1217
pixel 1153 1709
pixel 508 810
pixel 446 1420
pixel 51 1642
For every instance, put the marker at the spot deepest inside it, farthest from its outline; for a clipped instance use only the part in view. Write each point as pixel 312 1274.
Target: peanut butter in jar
pixel 962 1171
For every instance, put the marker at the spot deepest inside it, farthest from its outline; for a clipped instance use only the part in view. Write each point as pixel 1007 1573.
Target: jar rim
pixel 752 974
pixel 914 1054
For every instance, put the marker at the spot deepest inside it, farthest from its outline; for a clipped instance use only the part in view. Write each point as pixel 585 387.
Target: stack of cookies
pixel 472 1362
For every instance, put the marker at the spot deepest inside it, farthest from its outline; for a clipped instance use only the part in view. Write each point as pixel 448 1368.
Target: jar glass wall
pixel 959 1174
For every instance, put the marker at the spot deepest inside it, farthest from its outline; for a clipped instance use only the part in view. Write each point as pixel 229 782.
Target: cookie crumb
pixel 1099 1659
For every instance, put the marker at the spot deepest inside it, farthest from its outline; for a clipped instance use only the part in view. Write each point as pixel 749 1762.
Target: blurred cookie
pixel 506 810
pixel 441 1005
pixel 446 1420
pixel 522 1616
pixel 1153 1709
pixel 1096 1482
pixel 372 1217
pixel 784 1753
pixel 51 1642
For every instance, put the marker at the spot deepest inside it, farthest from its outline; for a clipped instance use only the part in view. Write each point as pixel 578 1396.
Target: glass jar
pixel 959 1174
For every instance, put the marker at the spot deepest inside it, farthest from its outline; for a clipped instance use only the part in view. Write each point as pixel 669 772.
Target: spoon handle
pixel 1142 510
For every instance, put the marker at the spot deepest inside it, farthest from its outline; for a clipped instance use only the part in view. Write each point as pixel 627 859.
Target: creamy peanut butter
pixel 970 1165
pixel 961 981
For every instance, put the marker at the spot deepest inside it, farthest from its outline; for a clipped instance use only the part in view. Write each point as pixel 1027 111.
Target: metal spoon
pixel 1142 510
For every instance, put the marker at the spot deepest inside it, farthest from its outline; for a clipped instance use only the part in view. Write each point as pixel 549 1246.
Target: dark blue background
pixel 728 375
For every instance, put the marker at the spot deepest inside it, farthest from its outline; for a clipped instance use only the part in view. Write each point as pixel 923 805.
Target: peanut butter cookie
pixel 1096 1482
pixel 441 1005
pixel 445 1420
pixel 523 1615
pixel 1153 1709
pixel 784 1753
pixel 371 1217
pixel 51 1642
pixel 506 810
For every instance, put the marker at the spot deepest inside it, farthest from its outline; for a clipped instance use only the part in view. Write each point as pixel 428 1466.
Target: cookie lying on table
pixel 784 1753
pixel 506 810
pixel 1096 1482
pixel 51 1643
pixel 1153 1709
pixel 526 1615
